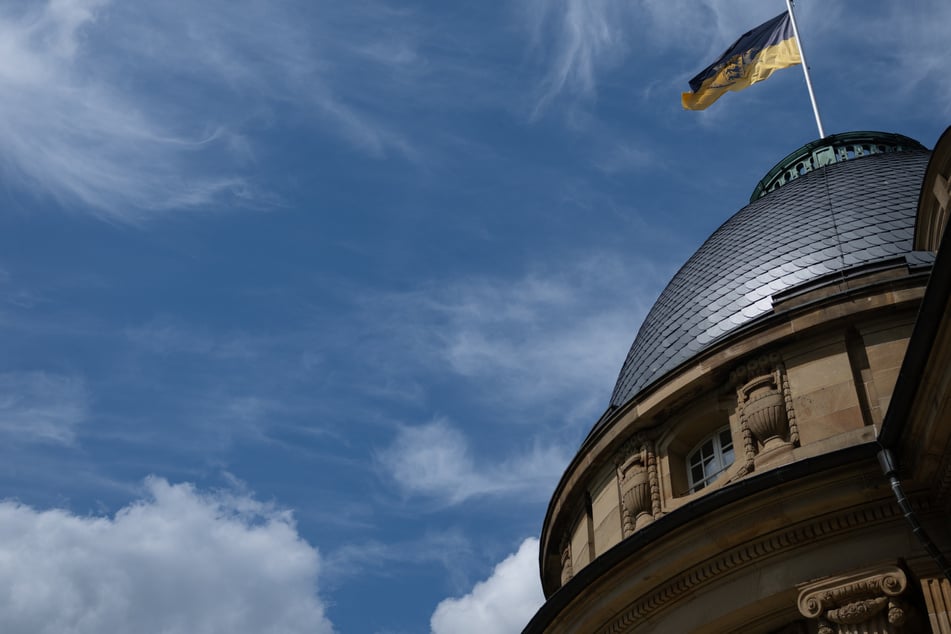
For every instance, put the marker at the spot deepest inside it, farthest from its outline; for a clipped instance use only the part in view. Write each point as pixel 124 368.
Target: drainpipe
pixel 886 459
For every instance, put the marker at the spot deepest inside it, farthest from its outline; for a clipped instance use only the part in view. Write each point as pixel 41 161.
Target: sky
pixel 306 306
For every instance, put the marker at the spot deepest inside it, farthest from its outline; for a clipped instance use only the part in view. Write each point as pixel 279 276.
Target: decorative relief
pixel 790 412
pixel 868 598
pixel 653 480
pixel 566 570
pixel 690 580
pixel 749 445
pixel 638 482
pixel 764 407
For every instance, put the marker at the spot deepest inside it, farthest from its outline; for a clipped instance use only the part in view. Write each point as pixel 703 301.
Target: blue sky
pixel 305 306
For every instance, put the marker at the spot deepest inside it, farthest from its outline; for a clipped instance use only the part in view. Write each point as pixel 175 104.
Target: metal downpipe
pixel 886 459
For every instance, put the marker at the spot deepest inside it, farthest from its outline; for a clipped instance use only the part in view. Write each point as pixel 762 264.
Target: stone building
pixel 775 457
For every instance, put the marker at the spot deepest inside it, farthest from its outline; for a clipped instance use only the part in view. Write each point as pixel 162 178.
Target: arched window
pixel 709 459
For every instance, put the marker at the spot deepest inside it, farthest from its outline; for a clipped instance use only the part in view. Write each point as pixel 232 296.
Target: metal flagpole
pixel 805 69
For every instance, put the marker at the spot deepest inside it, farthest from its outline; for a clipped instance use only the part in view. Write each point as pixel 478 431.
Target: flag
pixel 752 58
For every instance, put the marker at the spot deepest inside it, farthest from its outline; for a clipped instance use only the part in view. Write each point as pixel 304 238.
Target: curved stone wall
pixel 814 378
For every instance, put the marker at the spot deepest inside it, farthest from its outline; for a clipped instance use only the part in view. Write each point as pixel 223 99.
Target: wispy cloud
pixel 166 336
pixel 549 341
pixel 132 110
pixel 74 134
pixel 434 460
pixel 586 35
pixel 502 604
pixel 583 39
pixel 176 561
pixel 449 549
pixel 41 407
pixel 913 51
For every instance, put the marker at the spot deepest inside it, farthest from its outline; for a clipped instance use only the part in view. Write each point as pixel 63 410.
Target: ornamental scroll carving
pixel 764 407
pixel 867 601
pixel 638 482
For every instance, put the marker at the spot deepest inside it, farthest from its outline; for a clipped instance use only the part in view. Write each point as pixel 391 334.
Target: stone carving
pixel 790 412
pixel 753 368
pixel 638 482
pixel 653 479
pixel 868 598
pixel 566 570
pixel 764 405
pixel 749 445
pixel 764 408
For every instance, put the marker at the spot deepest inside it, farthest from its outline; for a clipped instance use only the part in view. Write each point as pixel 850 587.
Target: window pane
pixel 726 439
pixel 696 471
pixel 728 457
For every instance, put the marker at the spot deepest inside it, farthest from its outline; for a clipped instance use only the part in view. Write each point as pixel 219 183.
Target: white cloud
pixel 549 343
pixel 129 109
pixel 502 604
pixel 451 549
pixel 41 406
pixel 69 131
pixel 177 562
pixel 434 460
pixel 916 51
pixel 587 33
pixel 582 39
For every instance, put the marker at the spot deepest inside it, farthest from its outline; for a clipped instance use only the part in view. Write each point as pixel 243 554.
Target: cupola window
pixel 709 459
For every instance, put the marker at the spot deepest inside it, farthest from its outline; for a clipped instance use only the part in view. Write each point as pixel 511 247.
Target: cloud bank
pixel 502 604
pixel 176 562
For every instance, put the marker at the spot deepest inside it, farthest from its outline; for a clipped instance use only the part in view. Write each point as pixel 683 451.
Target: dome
pixel 845 201
pixel 791 376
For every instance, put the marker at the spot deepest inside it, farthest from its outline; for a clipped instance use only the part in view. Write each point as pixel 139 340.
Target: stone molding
pixel 775 543
pixel 868 597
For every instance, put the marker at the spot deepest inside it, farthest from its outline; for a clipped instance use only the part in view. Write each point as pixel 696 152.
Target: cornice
pixel 753 552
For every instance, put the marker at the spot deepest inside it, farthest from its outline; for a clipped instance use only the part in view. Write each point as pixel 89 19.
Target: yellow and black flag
pixel 752 58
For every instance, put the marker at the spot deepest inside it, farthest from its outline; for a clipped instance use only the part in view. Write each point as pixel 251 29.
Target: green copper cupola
pixel 832 149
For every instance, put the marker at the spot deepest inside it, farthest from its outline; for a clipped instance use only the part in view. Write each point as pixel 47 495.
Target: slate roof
pixel 846 214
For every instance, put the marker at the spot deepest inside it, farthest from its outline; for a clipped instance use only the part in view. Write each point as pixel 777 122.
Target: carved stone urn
pixel 636 498
pixel 764 408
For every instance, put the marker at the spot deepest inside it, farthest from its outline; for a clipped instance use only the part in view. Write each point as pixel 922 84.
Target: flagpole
pixel 805 69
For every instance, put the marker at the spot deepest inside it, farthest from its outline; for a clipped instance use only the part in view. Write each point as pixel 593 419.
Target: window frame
pixel 718 450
